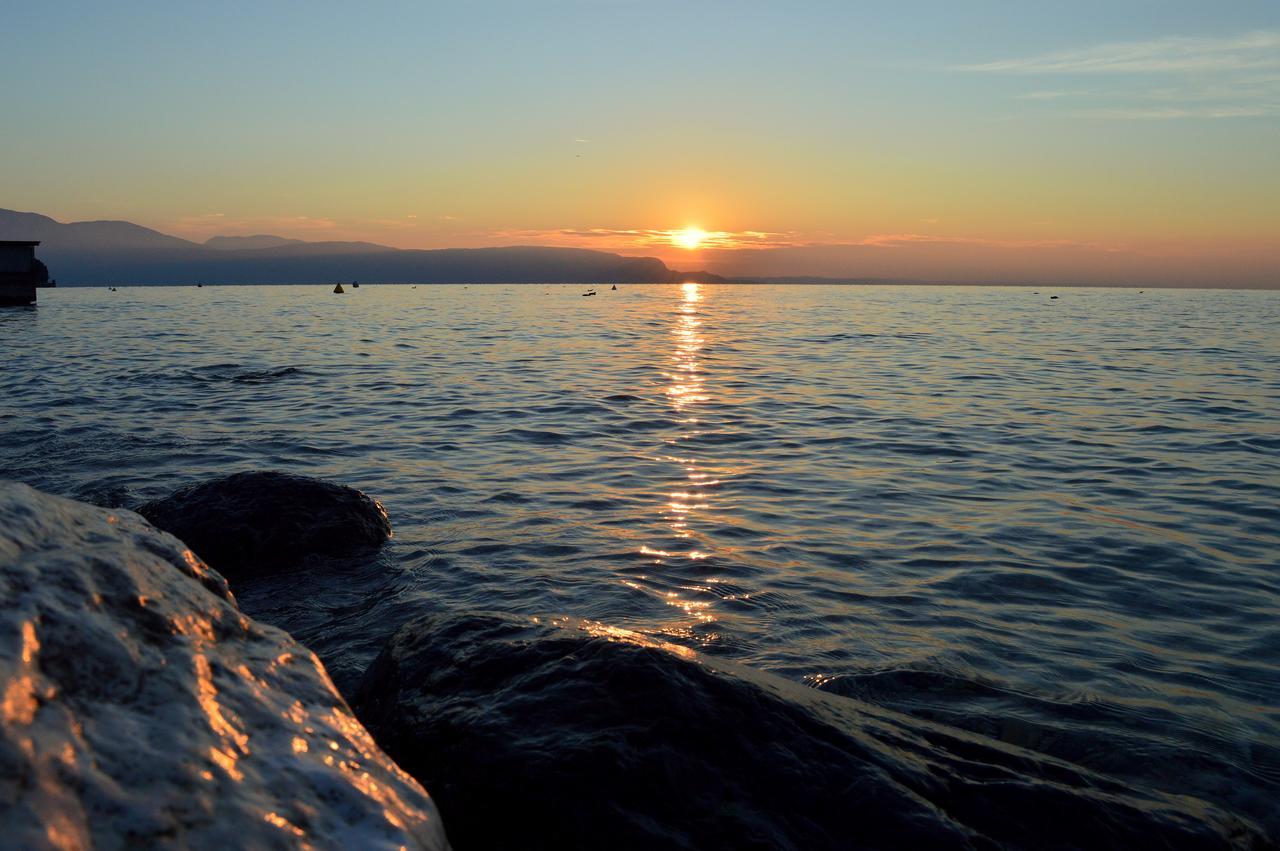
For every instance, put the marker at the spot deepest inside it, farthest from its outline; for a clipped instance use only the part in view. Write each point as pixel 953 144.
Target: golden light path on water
pixel 686 392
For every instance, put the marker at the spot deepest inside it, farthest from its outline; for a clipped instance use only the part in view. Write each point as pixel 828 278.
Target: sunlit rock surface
pixel 262 521
pixel 139 708
pixel 576 736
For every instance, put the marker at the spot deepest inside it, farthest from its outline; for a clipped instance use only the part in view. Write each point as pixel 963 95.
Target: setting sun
pixel 689 238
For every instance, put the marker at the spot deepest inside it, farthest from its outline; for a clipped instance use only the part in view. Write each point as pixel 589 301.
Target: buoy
pixel 338 289
pixel 614 287
pixel 355 285
pixel 199 285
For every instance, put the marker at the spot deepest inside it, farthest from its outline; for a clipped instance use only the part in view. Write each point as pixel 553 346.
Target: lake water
pixel 1052 522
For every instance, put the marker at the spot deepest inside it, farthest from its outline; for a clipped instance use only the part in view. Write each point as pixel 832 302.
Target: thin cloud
pixel 220 224
pixel 1171 113
pixel 900 240
pixel 1259 49
pixel 632 238
pixel 642 239
pixel 1194 78
pixel 1043 95
pixel 1233 98
pixel 395 224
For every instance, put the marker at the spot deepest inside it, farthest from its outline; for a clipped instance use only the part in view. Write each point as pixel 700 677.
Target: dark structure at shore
pixel 20 272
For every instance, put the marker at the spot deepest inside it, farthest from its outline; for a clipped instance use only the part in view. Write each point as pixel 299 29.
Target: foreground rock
pixel 579 736
pixel 140 708
pixel 260 521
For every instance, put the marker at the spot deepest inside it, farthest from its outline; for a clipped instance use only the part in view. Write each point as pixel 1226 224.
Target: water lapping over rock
pixel 571 734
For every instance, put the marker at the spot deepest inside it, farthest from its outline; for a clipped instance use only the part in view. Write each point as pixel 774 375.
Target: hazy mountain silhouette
pixel 101 252
pixel 85 236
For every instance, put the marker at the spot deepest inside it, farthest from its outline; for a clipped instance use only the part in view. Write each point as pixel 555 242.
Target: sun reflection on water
pixel 686 392
pixel 686 389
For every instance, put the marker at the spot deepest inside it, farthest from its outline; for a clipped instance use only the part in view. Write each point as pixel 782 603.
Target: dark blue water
pixel 1054 523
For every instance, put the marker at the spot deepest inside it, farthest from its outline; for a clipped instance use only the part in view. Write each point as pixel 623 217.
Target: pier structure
pixel 20 272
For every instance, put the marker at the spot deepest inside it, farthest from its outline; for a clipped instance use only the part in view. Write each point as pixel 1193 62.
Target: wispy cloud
pixel 633 238
pixel 1166 113
pixel 220 224
pixel 1050 95
pixel 1160 79
pixel 1259 49
pixel 623 239
pixel 901 240
pixel 405 223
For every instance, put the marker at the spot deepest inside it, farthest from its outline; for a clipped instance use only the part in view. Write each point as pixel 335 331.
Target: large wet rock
pixel 575 735
pixel 140 708
pixel 262 521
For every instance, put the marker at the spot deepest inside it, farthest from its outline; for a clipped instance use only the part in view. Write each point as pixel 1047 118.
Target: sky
pixel 1084 141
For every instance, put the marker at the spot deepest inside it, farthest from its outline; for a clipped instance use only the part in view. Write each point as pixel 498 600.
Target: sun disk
pixel 689 238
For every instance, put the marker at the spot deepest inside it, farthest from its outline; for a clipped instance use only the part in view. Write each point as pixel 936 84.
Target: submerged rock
pixel 140 708
pixel 580 736
pixel 262 521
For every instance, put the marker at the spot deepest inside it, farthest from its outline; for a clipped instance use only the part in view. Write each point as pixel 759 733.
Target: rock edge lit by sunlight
pixel 140 708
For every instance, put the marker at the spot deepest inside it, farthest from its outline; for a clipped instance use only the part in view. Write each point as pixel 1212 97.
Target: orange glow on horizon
pixel 689 238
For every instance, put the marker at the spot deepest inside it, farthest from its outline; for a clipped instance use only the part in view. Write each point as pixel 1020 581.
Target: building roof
pixel 19 242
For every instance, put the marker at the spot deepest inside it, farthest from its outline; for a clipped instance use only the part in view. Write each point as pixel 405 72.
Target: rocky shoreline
pixel 142 708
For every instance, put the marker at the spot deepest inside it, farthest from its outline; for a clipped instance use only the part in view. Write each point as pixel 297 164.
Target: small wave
pixel 509 497
pixel 647 425
pixel 224 373
pixel 539 436
pixel 1079 729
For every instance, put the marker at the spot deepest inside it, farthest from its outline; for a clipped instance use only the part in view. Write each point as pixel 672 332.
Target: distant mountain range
pixel 114 252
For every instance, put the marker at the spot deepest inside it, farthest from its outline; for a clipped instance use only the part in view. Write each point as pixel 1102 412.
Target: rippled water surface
pixel 1054 522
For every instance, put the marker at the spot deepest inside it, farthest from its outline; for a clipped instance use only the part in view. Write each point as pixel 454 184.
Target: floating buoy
pixel 338 288
pixel 355 285
pixel 614 287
